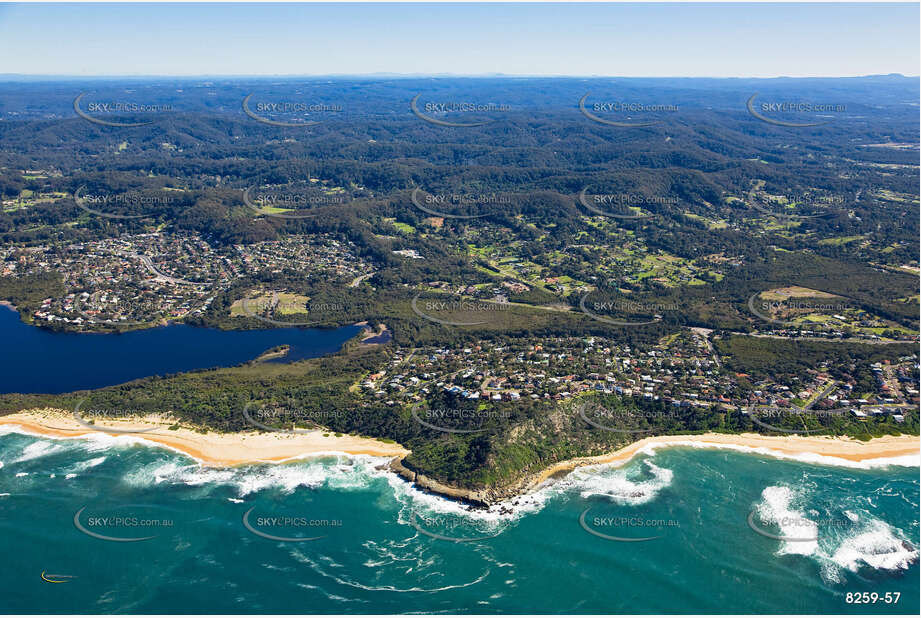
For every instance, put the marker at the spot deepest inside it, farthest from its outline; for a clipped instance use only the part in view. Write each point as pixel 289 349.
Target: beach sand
pixel 228 449
pixel 841 448
pixel 209 448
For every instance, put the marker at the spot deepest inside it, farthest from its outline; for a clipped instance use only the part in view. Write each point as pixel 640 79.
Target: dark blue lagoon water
pixel 379 546
pixel 35 360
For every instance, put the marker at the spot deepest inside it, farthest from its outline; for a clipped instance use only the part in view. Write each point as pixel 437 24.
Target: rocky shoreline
pixel 826 449
pixel 478 498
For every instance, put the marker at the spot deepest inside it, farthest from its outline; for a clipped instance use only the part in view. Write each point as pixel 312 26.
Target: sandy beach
pixel 848 449
pixel 209 448
pixel 228 449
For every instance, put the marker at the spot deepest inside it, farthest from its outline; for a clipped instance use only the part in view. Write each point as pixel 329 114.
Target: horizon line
pixel 431 75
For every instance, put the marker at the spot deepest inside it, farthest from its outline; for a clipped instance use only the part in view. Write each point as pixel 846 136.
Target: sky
pixel 653 40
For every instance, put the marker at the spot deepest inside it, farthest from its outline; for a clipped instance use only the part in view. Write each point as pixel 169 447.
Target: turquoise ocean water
pixel 678 530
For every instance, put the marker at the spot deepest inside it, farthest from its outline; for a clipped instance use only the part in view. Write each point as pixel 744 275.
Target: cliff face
pixel 477 497
pixel 516 461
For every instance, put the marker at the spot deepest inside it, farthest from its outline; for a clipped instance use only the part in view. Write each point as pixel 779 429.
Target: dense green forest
pixel 704 178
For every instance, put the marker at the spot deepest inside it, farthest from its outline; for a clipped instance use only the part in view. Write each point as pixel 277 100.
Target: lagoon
pixel 36 360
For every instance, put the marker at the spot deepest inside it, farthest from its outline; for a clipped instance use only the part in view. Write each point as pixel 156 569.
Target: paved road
pixel 822 395
pixel 146 261
pixel 357 280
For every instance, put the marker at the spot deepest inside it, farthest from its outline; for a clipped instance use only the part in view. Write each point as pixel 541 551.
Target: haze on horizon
pixel 624 40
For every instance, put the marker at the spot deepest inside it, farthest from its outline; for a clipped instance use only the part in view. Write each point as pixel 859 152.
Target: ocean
pixel 115 525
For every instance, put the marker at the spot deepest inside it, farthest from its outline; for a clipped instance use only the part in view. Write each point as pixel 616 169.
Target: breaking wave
pixel 631 485
pixel 840 540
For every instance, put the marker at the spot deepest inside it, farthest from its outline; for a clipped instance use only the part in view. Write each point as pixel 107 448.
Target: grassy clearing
pixel 284 303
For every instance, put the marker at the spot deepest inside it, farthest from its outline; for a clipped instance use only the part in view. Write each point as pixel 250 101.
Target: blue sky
pixel 719 40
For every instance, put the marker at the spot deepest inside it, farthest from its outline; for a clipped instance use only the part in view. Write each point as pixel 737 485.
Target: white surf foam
pixel 341 473
pixel 776 507
pixel 37 450
pixel 908 461
pixel 614 480
pixel 621 484
pixel 868 543
pixel 91 442
pixel 415 499
pixel 348 581
pixel 83 466
pixel 878 546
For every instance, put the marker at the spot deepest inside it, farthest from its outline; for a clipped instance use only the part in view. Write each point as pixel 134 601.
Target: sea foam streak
pixel 82 466
pixel 41 448
pixel 868 542
pixel 622 485
pixel 878 546
pixel 776 508
pixel 618 481
pixel 358 472
pixel 414 499
pixel 907 461
pixel 342 472
pixel 92 442
pixel 302 557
